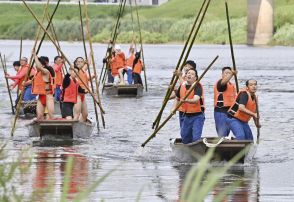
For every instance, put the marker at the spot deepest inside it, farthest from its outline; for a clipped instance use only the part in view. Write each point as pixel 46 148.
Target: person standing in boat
pixel 129 64
pixel 119 63
pixel 22 68
pixel 224 97
pixel 57 66
pixel 83 80
pixel 69 98
pixel 43 85
pixel 137 69
pixel 242 110
pixel 192 108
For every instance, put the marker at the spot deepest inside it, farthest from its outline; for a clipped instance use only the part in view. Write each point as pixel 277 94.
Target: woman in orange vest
pixel 224 97
pixel 137 69
pixel 83 80
pixel 43 85
pixel 57 66
pixel 69 98
pixel 119 64
pixel 192 108
pixel 241 112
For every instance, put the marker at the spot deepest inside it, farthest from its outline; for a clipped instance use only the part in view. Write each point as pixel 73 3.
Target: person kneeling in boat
pixel 119 60
pixel 224 97
pixel 242 110
pixel 137 69
pixel 192 108
pixel 69 98
pixel 43 85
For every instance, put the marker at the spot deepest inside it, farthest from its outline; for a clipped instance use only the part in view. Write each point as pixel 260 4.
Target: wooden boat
pixel 60 129
pixel 224 149
pixel 133 90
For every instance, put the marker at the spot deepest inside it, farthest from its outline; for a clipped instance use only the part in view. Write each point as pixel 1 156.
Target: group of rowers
pixel 48 84
pixel 232 111
pixel 118 65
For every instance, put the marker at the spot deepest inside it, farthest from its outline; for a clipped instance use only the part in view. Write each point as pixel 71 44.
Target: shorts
pixel 67 109
pixel 82 97
pixel 42 99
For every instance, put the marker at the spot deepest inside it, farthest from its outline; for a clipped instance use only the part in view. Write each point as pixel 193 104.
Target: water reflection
pixel 246 189
pixel 50 174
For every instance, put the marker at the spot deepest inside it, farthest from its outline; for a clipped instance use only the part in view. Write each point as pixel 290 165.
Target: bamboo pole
pixel 7 83
pixel 177 107
pixel 92 57
pixel 89 71
pixel 61 52
pixel 231 47
pixel 141 42
pixel 20 48
pixel 257 119
pixel 31 62
pixel 185 59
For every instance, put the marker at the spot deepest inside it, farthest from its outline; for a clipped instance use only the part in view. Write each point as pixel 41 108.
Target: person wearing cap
pixel 119 64
pixel 192 109
pixel 43 85
pixel 242 110
pixel 224 97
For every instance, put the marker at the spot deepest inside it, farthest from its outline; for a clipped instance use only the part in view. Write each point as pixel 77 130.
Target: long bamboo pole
pixel 231 47
pixel 93 59
pixel 61 52
pixel 257 120
pixel 183 62
pixel 89 71
pixel 20 48
pixel 32 61
pixel 177 107
pixel 141 42
pixel 7 83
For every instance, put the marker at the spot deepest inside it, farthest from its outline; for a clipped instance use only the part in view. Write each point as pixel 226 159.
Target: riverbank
pixel 169 23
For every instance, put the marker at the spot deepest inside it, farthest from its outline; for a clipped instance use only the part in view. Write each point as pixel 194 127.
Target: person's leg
pixel 135 78
pixel 236 127
pixel 140 79
pixel 130 76
pixel 121 77
pixel 186 130
pixel 197 124
pixel 181 118
pixel 40 109
pixel 221 126
pixel 116 79
pixel 57 93
pixel 77 108
pixel 110 78
pixel 84 110
pixel 50 105
pixel 248 132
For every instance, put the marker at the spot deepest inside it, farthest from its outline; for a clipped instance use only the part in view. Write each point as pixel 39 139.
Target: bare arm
pixel 242 108
pixel 39 66
pixel 194 100
pixel 176 102
pixel 228 78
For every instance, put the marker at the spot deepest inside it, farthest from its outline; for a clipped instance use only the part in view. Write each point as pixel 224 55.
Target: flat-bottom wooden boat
pixel 60 129
pixel 133 90
pixel 224 149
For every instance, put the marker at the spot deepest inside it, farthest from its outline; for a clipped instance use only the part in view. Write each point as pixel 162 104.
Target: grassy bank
pixel 164 24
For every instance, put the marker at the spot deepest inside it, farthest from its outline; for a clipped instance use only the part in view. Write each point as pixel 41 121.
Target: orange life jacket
pixel 120 60
pixel 138 67
pixel 251 105
pixel 130 60
pixel 58 76
pixel 84 76
pixel 229 95
pixel 21 80
pixel 70 93
pixel 191 108
pixel 113 66
pixel 40 87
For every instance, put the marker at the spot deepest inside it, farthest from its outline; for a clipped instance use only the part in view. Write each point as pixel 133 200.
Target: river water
pixel 152 171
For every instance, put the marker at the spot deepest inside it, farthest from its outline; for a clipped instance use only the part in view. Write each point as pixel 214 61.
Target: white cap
pixel 117 47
